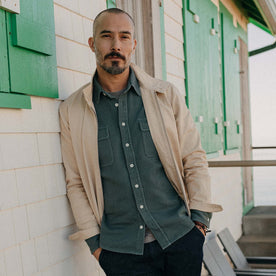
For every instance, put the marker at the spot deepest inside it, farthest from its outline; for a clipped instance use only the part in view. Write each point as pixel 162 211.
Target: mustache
pixel 114 54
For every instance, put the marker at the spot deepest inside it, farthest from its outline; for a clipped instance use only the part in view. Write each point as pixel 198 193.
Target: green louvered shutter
pixel 231 81
pixel 4 68
pixel 31 48
pixel 203 71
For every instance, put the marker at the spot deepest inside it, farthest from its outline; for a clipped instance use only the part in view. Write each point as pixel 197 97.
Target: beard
pixel 114 69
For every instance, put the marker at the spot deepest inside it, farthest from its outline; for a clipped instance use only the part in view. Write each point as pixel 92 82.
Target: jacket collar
pixel 144 79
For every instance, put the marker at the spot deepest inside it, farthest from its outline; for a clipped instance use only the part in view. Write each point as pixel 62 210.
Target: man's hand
pixel 97 253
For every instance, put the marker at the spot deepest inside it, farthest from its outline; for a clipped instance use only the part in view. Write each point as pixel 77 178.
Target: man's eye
pixel 125 37
pixel 106 35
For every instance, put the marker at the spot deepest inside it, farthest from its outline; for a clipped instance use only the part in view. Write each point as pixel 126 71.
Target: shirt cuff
pixel 93 243
pixel 200 216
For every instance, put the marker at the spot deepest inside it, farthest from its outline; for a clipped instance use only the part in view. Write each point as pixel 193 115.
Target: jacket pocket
pixel 149 147
pixel 105 148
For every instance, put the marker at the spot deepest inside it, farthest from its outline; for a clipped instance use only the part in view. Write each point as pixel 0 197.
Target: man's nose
pixel 116 45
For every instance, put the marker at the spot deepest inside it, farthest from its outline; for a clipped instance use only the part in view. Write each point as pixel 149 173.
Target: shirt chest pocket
pixel 105 149
pixel 149 147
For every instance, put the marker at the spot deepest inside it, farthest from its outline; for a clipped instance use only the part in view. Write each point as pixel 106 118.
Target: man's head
pixel 113 40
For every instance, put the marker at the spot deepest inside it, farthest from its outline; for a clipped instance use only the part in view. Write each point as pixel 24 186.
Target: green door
pixel 202 64
pixel 231 81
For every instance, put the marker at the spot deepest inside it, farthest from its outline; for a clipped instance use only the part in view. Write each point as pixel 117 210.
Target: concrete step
pixel 258 245
pixel 260 220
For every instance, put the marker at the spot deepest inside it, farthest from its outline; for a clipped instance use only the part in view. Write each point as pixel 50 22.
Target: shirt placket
pixel 131 164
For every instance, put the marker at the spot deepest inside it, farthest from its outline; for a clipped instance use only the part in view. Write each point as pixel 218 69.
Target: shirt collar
pixel 132 83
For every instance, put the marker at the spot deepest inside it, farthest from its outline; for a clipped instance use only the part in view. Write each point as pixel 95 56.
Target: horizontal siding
pixel 35 215
pixel 174 44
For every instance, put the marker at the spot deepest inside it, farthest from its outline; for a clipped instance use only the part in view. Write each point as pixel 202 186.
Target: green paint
pixel 39 38
pixel 4 66
pixel 32 70
pixel 110 4
pixel 248 207
pixel 231 81
pixel 212 155
pixel 202 71
pixel 12 100
pixel 163 46
pixel 260 25
pixel 231 151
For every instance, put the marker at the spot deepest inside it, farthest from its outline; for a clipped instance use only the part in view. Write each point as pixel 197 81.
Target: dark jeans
pixel 182 258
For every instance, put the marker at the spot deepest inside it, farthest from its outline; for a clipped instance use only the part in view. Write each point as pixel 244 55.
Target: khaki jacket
pixel 174 135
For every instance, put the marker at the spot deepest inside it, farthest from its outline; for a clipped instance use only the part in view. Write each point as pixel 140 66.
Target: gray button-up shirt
pixel 137 192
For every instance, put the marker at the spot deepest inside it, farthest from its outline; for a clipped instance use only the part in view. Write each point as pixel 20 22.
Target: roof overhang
pixel 267 9
pixel 261 13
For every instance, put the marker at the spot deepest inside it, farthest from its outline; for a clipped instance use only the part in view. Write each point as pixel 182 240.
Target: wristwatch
pixel 202 226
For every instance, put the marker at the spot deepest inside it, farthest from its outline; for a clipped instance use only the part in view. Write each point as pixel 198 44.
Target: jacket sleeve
pixel 84 217
pixel 195 166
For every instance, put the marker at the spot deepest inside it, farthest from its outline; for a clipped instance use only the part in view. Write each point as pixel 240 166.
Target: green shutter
pixel 203 72
pixel 231 81
pixel 192 6
pixel 31 46
pixel 110 4
pixel 4 68
pixel 8 100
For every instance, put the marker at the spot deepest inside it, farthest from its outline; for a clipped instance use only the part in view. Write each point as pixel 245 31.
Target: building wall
pixel 173 22
pixel 225 181
pixel 35 215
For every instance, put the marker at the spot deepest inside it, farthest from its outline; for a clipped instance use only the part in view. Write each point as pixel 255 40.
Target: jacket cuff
pixel 93 243
pixel 201 216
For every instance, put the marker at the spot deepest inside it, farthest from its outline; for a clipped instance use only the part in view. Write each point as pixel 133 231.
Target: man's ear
pixel 91 43
pixel 134 44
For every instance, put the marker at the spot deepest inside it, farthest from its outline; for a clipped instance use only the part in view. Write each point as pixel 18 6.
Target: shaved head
pixel 114 11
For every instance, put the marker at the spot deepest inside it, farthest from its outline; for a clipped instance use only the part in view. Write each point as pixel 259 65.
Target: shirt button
pixel 141 227
pixel 136 186
pixel 123 123
pixel 131 165
pixel 116 104
pixel 127 145
pixel 141 206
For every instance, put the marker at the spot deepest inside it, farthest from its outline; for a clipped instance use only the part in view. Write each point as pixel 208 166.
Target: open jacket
pixel 173 132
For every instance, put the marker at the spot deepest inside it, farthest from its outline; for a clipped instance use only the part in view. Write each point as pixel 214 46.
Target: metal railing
pixel 270 147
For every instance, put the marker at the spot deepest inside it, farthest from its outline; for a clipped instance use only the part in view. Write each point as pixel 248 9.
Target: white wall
pixel 35 216
pixel 174 43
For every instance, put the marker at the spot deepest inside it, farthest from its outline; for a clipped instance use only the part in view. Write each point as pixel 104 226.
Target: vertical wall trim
pixel 110 4
pixel 163 45
pixel 223 80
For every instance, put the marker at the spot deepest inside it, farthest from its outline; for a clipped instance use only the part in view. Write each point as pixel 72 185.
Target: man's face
pixel 113 42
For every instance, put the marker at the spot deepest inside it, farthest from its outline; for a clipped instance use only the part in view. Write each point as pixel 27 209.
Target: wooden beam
pixel 242 163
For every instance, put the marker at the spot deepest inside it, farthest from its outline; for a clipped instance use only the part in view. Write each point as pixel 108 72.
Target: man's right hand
pixel 97 253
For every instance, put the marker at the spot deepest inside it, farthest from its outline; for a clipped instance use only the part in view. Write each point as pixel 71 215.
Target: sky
pixel 262 83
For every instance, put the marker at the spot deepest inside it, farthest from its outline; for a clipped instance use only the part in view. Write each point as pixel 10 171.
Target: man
pixel 136 174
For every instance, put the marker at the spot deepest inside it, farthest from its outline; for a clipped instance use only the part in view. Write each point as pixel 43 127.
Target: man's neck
pixel 112 83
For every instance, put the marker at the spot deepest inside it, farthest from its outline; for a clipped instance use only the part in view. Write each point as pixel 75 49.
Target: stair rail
pixel 268 147
pixel 242 163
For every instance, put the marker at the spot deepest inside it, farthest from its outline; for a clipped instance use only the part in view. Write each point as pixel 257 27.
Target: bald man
pixel 136 174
